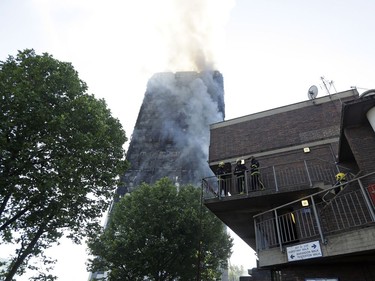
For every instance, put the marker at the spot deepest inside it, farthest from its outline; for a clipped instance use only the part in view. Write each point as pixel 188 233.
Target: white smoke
pixel 184 105
pixel 189 35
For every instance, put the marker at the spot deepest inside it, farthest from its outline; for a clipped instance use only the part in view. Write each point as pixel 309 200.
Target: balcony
pixel 342 224
pixel 281 184
pixel 277 178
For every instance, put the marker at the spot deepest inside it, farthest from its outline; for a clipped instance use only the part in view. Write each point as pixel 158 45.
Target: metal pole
pixel 256 237
pixel 246 183
pixel 308 174
pixel 278 230
pixel 275 178
pixel 317 218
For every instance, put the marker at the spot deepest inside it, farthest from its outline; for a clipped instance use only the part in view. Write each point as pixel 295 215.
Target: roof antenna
pixel 330 83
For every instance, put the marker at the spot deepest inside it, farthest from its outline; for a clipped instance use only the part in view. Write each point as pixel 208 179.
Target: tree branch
pixel 21 258
pixel 13 219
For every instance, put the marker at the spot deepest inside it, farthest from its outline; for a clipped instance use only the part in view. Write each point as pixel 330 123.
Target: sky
pixel 269 51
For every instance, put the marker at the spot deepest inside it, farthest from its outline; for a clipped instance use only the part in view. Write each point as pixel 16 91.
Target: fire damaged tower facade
pixel 171 135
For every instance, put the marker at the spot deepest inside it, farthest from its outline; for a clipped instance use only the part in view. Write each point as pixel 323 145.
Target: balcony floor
pixel 237 211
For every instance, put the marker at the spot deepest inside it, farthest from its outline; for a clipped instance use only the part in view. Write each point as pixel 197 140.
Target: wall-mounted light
pixel 305 203
pixel 306 149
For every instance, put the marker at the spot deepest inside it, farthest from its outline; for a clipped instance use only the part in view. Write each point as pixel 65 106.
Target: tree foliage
pixel 235 272
pixel 159 232
pixel 61 155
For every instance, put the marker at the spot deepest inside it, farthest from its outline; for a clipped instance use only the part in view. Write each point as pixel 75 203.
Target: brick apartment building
pixel 302 227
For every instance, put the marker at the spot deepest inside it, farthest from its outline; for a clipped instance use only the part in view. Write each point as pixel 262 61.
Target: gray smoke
pixel 185 108
pixel 171 136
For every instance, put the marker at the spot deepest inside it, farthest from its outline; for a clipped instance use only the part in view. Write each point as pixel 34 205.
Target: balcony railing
pixel 291 176
pixel 346 210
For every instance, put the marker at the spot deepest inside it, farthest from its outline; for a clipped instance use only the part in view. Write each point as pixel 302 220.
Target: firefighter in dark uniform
pixel 222 177
pixel 239 172
pixel 256 182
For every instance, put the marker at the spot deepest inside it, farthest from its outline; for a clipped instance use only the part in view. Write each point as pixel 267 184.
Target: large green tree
pixel 61 154
pixel 160 232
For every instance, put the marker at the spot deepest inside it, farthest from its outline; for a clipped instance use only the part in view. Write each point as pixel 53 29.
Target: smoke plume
pixel 171 135
pixel 191 33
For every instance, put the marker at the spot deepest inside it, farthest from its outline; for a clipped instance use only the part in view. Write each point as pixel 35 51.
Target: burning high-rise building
pixel 171 135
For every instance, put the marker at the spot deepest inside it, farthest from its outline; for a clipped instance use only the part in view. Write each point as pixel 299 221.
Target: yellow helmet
pixel 221 164
pixel 340 176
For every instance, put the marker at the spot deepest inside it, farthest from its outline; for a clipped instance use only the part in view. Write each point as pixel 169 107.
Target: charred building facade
pixel 171 135
pixel 313 216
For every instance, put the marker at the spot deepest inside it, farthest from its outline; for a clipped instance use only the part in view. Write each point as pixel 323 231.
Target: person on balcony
pixel 223 177
pixel 255 180
pixel 239 172
pixel 340 182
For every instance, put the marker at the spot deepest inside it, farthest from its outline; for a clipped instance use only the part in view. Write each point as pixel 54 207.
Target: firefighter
pixel 222 176
pixel 340 182
pixel 239 172
pixel 256 182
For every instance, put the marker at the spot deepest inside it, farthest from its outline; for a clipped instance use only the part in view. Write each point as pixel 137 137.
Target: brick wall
pixel 289 126
pixel 362 142
pixel 325 152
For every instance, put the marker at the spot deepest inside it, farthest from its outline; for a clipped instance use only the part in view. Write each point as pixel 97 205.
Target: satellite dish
pixel 312 92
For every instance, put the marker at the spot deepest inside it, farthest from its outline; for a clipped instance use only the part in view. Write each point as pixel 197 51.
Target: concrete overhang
pixel 337 249
pixel 237 211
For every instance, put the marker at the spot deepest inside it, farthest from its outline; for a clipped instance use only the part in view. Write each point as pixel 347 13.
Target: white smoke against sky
pixel 161 35
pixel 191 33
pixel 189 37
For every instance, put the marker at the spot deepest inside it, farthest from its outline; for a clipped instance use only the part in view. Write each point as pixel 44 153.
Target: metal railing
pixel 350 208
pixel 301 174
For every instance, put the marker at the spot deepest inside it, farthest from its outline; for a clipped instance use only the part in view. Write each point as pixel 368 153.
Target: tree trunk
pixel 20 259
